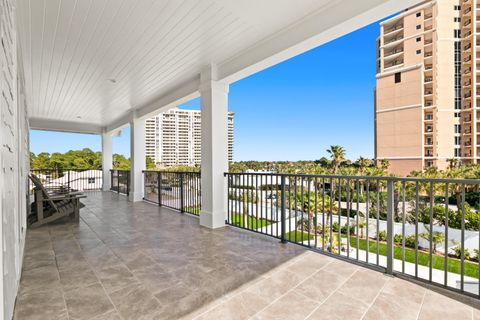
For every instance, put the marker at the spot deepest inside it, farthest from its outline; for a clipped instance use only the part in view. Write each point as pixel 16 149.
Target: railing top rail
pixel 349 177
pixel 63 169
pixel 122 170
pixel 164 171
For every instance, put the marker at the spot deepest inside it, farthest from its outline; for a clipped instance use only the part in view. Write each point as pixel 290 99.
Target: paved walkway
pixel 139 261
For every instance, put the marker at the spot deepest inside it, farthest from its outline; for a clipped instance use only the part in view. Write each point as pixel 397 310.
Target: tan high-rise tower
pixel 425 99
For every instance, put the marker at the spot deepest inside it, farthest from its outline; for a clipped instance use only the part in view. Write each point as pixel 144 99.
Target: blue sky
pixel 292 111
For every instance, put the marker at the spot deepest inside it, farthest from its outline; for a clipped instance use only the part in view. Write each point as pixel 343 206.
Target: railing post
pixel 283 205
pixel 128 184
pixel 159 183
pixel 181 193
pixel 68 180
pixel 111 180
pixel 390 231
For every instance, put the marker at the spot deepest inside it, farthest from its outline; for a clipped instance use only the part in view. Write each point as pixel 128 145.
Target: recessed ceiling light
pixel 79 117
pixel 112 80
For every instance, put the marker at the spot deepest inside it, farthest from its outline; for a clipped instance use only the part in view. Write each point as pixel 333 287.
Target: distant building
pixel 174 138
pixel 426 92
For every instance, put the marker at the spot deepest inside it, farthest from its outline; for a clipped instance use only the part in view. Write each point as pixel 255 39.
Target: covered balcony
pixel 155 245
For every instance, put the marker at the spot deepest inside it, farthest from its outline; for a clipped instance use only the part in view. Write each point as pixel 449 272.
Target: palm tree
pixel 337 153
pixel 452 163
pixel 384 164
pixel 363 164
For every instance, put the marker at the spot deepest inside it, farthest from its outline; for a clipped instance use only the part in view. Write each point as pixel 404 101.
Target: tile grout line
pixel 96 274
pixel 331 294
pixel 133 274
pixel 376 297
pixel 293 288
pixel 59 278
pixel 421 304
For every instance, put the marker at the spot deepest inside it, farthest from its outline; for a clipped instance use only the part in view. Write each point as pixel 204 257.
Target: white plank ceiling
pixel 92 61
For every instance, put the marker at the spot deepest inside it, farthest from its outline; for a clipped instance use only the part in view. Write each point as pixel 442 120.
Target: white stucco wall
pixel 13 161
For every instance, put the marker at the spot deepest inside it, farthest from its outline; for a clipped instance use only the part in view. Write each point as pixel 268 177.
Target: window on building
pixel 457 19
pixel 457 7
pixel 458 152
pixel 418 26
pixel 419 39
pixel 91 180
pixel 398 77
pixel 458 140
pixel 429 164
pixel 458 128
pixel 419 14
pixel 457 33
pixel 457 114
pixel 419 51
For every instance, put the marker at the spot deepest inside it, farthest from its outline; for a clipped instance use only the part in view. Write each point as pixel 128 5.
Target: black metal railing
pixel 428 229
pixel 120 181
pixel 176 190
pixel 70 179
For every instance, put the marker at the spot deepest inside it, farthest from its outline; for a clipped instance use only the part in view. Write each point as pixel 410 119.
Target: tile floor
pixel 139 261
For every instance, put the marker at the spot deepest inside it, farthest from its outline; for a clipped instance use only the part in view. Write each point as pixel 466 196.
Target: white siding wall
pixel 13 161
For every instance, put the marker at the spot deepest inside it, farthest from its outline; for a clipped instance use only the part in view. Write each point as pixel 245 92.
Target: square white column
pixel 214 107
pixel 137 158
pixel 107 160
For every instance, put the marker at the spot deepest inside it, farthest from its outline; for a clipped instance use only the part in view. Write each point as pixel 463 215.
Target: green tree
pixel 337 154
pixel 149 163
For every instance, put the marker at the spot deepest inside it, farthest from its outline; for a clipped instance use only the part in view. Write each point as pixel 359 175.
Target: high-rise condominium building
pixel 174 137
pixel 426 93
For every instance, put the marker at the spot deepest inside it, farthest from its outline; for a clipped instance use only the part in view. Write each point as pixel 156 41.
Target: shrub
pixel 410 241
pixel 457 253
pixel 382 235
pixel 397 239
pixel 347 228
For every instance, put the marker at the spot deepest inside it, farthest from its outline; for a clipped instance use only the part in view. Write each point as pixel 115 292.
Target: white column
pixel 107 160
pixel 214 107
pixel 137 158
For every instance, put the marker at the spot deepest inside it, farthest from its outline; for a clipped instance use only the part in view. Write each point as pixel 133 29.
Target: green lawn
pixel 298 236
pixel 253 223
pixel 192 210
pixel 454 265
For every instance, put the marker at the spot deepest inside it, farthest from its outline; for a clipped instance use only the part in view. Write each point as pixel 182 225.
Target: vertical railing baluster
pixel 403 226
pixel 349 204
pixel 430 238
pixel 357 187
pixel 462 248
pixel 445 250
pixel 283 205
pixel 367 216
pixel 417 200
pixel 390 230
pixel 182 191
pixel 339 216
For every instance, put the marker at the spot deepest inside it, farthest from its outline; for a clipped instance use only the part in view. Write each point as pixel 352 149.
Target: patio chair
pixel 52 190
pixel 49 206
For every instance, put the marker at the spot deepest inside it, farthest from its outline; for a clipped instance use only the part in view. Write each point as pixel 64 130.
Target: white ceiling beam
pixel 64 126
pixel 185 92
pixel 333 21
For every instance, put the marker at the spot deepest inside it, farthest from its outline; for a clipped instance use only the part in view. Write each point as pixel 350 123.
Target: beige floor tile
pixel 319 286
pixel 291 306
pixel 88 302
pixel 41 306
pixel 339 307
pixel 436 306
pixel 116 277
pixel 136 303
